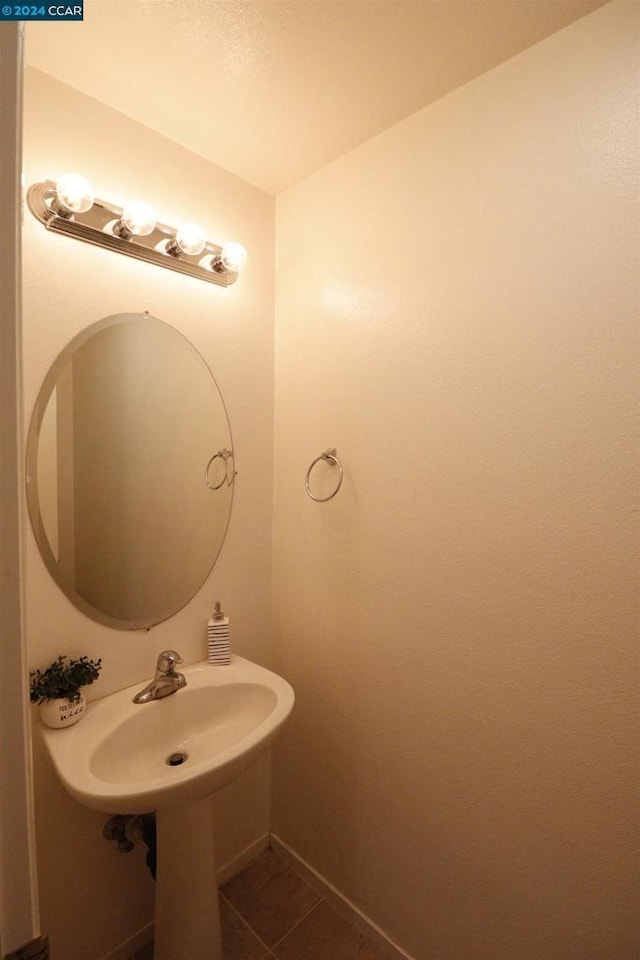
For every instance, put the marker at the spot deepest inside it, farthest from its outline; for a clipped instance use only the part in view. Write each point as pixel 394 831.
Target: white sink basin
pixel 115 758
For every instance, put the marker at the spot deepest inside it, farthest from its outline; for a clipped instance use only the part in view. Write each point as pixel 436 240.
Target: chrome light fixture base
pixel 96 226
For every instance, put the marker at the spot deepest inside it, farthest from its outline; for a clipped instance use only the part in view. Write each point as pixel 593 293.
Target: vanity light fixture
pixel 69 206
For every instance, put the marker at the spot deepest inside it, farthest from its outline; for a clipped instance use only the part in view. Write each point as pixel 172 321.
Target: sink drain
pixel 176 759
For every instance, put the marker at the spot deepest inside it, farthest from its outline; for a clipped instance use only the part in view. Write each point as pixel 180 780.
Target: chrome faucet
pixel 165 680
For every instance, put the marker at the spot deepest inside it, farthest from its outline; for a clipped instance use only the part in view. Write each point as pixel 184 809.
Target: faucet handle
pixel 167 660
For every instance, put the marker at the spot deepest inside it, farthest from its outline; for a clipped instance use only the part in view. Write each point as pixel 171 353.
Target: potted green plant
pixel 58 689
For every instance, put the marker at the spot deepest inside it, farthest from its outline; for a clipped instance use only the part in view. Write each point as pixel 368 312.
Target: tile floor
pixel 268 912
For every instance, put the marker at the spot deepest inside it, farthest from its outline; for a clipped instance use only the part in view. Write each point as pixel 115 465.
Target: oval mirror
pixel 129 471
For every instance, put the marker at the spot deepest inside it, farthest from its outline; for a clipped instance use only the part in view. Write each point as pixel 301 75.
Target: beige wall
pixel 455 308
pixel 93 898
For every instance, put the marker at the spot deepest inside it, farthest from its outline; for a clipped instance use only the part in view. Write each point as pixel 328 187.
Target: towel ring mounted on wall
pixel 229 475
pixel 330 457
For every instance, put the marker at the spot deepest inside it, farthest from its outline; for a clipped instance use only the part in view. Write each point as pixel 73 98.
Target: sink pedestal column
pixel 187 922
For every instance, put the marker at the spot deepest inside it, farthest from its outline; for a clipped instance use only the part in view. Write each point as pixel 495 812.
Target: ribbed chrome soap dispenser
pixel 218 638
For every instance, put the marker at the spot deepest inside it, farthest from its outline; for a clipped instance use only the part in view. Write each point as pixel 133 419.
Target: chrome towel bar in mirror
pixel 228 476
pixel 329 456
pixel 69 206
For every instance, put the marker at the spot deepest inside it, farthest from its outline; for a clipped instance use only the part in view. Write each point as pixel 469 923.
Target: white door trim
pixel 19 918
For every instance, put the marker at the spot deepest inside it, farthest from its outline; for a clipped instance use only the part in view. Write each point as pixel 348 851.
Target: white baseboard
pixel 242 860
pixel 389 949
pixel 131 946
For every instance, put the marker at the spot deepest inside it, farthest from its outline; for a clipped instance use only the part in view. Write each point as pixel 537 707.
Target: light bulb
pixel 138 218
pixel 233 257
pixel 74 193
pixel 190 239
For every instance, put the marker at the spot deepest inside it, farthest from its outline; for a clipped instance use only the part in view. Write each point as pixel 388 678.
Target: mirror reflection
pixel 128 501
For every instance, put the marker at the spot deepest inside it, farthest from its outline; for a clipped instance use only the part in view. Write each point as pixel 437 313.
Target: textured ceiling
pixel 274 89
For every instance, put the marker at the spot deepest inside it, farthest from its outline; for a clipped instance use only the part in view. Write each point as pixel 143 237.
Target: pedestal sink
pixel 170 756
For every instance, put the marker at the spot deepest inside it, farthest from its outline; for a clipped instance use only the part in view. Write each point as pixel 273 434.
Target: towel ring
pixel 330 456
pixel 228 477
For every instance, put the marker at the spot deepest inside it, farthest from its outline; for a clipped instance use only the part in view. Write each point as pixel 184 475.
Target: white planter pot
pixel 61 713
